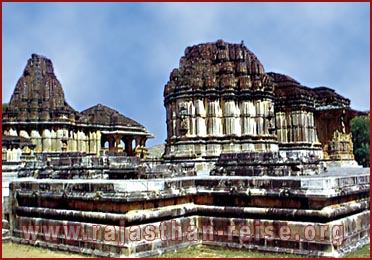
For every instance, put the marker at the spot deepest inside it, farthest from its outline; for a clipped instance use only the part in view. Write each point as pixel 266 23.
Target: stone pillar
pixel 98 142
pixel 231 117
pixel 12 132
pixel 92 142
pixel 290 128
pixel 53 138
pixel 128 146
pixel 169 120
pixel 304 127
pixel 265 113
pixel 14 155
pixel 60 136
pixel 245 115
pixel 174 119
pixel 214 118
pixel 228 116
pixel 294 126
pixel 81 142
pixel 311 128
pixel 297 116
pixel 18 154
pixel 282 127
pixel 24 134
pixel 72 142
pixel 47 142
pixel 87 143
pixel 117 141
pixel 192 119
pixel 200 125
pixel 252 122
pixel 248 113
pixel 238 125
pixel 78 141
pixel 8 155
pixel 260 113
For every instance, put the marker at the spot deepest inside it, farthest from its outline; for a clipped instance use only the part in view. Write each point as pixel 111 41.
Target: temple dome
pixel 103 115
pixel 216 65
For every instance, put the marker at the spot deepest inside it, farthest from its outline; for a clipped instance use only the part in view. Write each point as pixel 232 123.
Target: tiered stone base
pixel 181 212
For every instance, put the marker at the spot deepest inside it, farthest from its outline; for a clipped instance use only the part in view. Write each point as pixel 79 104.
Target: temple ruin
pixel 248 155
pixel 39 112
pixel 220 100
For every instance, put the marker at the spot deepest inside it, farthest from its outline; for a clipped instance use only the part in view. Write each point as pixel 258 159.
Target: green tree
pixel 5 105
pixel 360 131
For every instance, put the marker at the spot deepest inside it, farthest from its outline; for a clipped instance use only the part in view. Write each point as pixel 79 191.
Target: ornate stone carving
pixel 340 147
pixel 39 111
pixel 224 104
pixel 237 106
pixel 183 116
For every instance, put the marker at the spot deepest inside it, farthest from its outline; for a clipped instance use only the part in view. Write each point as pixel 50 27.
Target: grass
pixel 364 252
pixel 216 252
pixel 201 251
pixel 10 250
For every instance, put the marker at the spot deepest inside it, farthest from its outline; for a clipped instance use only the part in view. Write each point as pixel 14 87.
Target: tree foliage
pixel 360 131
pixel 5 105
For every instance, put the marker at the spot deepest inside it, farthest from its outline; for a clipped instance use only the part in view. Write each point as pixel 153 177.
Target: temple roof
pixel 38 95
pixel 103 115
pixel 215 65
pixel 286 86
pixel 328 96
pixel 38 99
pixel 290 90
pixel 282 79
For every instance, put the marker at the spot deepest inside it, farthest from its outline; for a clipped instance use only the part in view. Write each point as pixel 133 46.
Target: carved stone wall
pixel 39 112
pixel 294 114
pixel 316 118
pixel 334 133
pixel 340 147
pixel 219 99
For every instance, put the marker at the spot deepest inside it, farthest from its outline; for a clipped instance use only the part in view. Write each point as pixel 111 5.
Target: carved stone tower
pixel 218 100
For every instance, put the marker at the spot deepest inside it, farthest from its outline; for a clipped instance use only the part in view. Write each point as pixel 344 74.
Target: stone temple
pixel 38 111
pixel 221 100
pixel 252 160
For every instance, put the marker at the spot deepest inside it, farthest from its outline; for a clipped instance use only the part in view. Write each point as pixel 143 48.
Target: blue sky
pixel 121 54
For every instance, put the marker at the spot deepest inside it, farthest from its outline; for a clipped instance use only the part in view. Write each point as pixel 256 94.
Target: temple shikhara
pixel 39 112
pixel 221 100
pixel 245 149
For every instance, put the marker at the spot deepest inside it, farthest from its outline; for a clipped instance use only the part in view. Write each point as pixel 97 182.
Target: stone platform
pixel 325 215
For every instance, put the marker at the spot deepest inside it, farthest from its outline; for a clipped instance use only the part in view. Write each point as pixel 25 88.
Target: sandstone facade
pixel 38 111
pixel 266 132
pixel 220 100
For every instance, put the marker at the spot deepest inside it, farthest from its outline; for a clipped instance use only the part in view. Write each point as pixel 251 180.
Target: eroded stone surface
pixel 39 112
pixel 265 131
pixel 220 100
pixel 209 204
